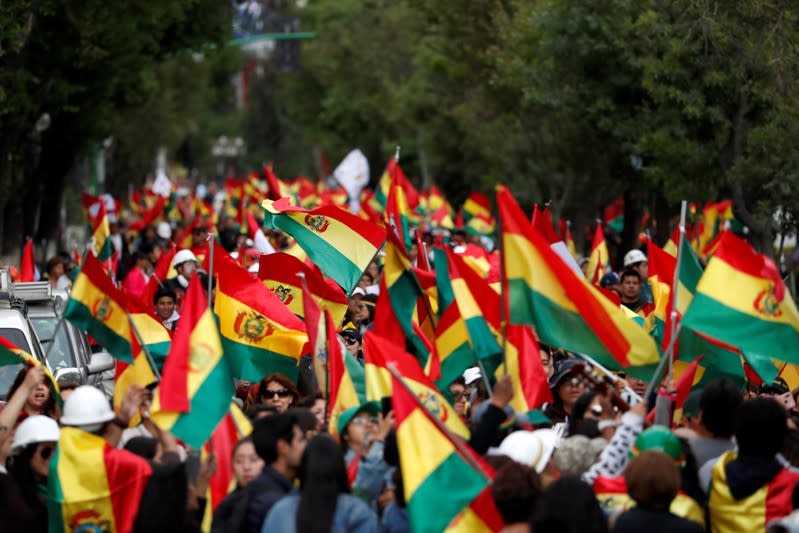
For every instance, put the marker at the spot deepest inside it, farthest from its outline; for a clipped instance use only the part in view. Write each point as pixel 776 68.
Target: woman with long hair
pixel 247 465
pixel 39 401
pixel 324 504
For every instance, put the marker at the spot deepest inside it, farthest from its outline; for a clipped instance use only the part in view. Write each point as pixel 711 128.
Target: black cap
pixel 351 333
pixel 569 366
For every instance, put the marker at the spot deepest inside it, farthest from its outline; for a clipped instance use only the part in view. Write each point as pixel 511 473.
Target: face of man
pixel 546 362
pixel 292 453
pixel 198 237
pixel 164 307
pixel 187 268
pixel 630 288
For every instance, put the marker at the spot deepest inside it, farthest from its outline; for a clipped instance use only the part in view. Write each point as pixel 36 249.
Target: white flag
pixel 353 174
pixel 162 186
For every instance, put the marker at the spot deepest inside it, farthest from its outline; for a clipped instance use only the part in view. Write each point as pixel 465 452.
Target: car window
pixel 8 373
pixel 60 355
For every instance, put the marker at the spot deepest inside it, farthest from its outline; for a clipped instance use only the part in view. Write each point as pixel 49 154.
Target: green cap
pixel 658 438
pixel 373 408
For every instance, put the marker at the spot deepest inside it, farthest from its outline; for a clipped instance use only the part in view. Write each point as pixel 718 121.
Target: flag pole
pixel 461 446
pixel 503 318
pixel 144 349
pixel 210 267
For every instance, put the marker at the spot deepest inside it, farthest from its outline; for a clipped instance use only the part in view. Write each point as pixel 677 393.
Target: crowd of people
pixel 729 462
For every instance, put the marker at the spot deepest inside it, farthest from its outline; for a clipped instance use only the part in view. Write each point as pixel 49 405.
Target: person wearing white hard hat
pixel 35 441
pixel 185 264
pixel 532 448
pixel 636 260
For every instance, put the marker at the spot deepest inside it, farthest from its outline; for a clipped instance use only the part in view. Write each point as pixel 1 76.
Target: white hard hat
pixel 531 448
pixel 182 256
pixel 86 406
pixel 164 230
pixel 470 375
pixel 634 256
pixel 35 429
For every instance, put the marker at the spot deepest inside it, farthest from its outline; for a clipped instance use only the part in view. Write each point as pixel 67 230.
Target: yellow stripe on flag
pixel 103 308
pixel 429 455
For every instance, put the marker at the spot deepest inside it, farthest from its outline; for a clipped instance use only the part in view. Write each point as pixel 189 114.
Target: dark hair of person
pixel 516 488
pixel 305 420
pixel 460 380
pixel 310 400
pixel 630 273
pixel 20 469
pixel 652 479
pixel 52 263
pixel 267 432
pixel 254 410
pixel 568 506
pixel 496 462
pixel 284 381
pixel 323 476
pixel 49 406
pixel 581 405
pixel 164 292
pixel 240 443
pixel 689 474
pixel 760 427
pixel 717 405
pixel 143 447
pixel 790 448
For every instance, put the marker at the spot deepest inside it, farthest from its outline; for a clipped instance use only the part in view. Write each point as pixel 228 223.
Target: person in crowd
pixel 533 449
pixel 568 506
pixel 34 442
pixel 56 275
pixel 746 482
pixel 566 389
pixel 307 421
pixel 515 490
pixel 457 390
pixel 575 455
pixel 366 281
pixel 165 302
pixel 778 390
pixel 324 502
pixel 136 278
pixel 636 260
pixel 280 442
pixel 631 296
pixel 353 342
pixel 185 264
pixel 638 386
pixel 546 360
pixel 715 422
pixel 199 242
pixel 611 282
pixel 315 403
pixel 653 481
pixel 39 400
pixel 614 456
pixel 278 391
pixel 362 431
pixel 247 465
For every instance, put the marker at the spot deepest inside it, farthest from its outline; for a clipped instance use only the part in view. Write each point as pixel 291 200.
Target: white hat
pixel 86 406
pixel 470 375
pixel 358 291
pixel 183 256
pixel 634 256
pixel 531 448
pixel 35 429
pixel 164 230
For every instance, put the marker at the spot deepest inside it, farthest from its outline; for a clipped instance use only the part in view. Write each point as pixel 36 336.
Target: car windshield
pixel 8 373
pixel 60 355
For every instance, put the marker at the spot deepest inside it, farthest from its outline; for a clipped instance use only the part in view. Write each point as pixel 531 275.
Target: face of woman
pixel 38 397
pixel 569 390
pixel 40 462
pixel 246 464
pixel 277 396
pixel 318 410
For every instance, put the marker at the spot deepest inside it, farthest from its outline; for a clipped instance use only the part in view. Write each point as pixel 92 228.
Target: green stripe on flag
pixel 82 318
pixel 357 375
pixel 454 364
pixel 253 364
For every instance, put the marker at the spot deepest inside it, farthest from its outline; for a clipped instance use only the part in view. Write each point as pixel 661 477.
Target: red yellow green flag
pixel 742 301
pixel 564 308
pixel 598 258
pixel 523 360
pixel 101 234
pixel 279 272
pixel 96 306
pixel 378 352
pixel 476 215
pixel 439 210
pixel 11 355
pixel 394 173
pixel 342 244
pixel 345 377
pixel 260 334
pixel 93 486
pixel 444 490
pixel 197 382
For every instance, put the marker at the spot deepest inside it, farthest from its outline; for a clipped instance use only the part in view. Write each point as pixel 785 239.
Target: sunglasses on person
pixel 281 393
pixel 46 451
pixel 350 340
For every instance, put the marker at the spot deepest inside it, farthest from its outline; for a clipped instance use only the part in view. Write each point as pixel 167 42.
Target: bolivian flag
pixel 96 306
pixel 342 244
pixel 598 258
pixel 444 490
pixel 93 486
pixel 742 301
pixel 197 382
pixel 10 355
pixel 101 234
pixel 522 357
pixel 260 334
pixel 476 214
pixel 378 352
pixel 564 308
pixel 345 378
pixel 394 173
pixel 438 209
pixel 279 273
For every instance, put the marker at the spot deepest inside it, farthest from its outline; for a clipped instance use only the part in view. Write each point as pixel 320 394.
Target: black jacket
pixel 640 519
pixel 262 493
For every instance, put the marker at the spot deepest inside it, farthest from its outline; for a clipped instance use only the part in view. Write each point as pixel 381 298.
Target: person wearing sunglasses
pixel 34 442
pixel 278 391
pixel 353 341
